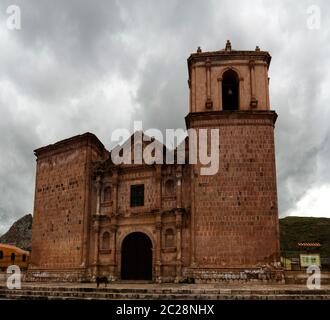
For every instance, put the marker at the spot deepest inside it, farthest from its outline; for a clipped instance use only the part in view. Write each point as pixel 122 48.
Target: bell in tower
pixel 230 90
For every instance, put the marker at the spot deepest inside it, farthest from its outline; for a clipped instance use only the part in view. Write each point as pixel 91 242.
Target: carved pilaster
pixel 208 103
pixel 96 229
pixel 115 182
pixel 158 181
pixel 158 248
pixel 179 187
pixel 178 220
pixel 254 101
pixel 194 88
pixel 98 185
pixel 114 229
pixel 220 92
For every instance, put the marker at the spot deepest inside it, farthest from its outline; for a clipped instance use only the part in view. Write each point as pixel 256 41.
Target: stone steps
pixel 68 293
pixel 164 297
pixel 173 290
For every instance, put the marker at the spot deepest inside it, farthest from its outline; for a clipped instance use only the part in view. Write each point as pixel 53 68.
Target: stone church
pixel 167 222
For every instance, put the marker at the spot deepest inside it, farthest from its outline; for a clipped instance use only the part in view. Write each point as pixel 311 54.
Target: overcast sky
pixel 78 66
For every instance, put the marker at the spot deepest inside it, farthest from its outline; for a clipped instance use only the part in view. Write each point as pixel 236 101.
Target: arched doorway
pixel 136 257
pixel 230 90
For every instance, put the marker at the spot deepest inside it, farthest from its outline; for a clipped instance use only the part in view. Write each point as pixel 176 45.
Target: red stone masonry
pixel 62 195
pixel 236 223
pixel 211 228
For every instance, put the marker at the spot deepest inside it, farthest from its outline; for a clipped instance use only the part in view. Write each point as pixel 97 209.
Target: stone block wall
pixel 235 219
pixel 63 184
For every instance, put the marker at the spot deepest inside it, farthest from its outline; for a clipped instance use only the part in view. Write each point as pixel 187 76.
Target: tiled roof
pixel 309 244
pixel 12 247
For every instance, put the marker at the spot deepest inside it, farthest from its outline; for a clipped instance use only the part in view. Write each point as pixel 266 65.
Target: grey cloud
pixel 95 66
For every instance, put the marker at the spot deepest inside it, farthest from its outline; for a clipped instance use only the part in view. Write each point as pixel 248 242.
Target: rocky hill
pixel 20 233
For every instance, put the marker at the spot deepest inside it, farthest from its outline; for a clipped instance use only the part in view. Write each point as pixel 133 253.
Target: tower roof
pixel 229 54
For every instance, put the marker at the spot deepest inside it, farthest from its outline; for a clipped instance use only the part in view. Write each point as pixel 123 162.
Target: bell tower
pixel 234 215
pixel 229 80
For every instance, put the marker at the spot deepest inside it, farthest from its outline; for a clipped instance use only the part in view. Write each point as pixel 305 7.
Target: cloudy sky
pixel 78 65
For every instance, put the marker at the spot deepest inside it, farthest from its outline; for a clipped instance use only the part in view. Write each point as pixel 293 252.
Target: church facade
pixel 167 222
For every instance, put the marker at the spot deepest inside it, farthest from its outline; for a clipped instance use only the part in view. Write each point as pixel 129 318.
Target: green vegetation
pixel 305 229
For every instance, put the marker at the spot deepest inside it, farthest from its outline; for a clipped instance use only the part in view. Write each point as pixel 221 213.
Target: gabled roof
pixel 126 150
pixel 135 139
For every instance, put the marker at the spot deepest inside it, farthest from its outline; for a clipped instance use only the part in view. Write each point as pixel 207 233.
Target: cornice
pixel 86 139
pixel 228 117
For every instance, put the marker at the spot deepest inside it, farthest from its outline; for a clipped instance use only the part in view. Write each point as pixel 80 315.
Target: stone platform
pixel 69 291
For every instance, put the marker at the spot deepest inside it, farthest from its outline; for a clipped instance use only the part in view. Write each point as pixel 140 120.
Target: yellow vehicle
pixel 11 255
